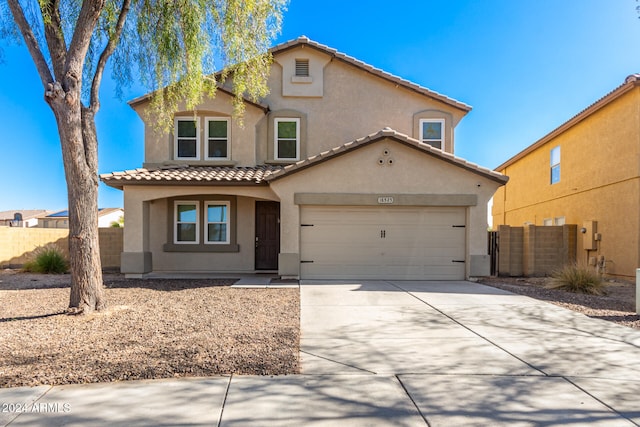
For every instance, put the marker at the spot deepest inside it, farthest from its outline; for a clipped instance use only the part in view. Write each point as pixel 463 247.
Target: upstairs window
pixel 302 68
pixel 432 132
pixel 287 138
pixel 217 138
pixel 186 138
pixel 555 165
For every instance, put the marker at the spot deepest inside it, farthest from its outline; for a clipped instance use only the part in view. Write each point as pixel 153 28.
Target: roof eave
pixel 339 151
pixel 136 102
pixel 292 44
pixel 630 83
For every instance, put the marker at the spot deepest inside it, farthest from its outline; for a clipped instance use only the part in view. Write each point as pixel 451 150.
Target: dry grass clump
pixel 48 260
pixel 578 279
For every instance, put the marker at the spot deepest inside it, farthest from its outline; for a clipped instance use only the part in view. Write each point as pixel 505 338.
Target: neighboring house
pixel 106 217
pixel 342 171
pixel 21 218
pixel 585 172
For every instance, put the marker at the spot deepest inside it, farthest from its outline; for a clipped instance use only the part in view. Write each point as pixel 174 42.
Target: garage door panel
pixel 382 242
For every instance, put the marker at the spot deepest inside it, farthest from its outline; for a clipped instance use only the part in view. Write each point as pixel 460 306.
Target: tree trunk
pixel 79 151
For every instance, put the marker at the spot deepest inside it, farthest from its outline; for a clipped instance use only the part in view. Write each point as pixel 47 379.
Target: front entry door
pixel 267 235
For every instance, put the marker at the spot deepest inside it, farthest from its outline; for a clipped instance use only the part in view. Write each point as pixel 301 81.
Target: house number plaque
pixel 385 200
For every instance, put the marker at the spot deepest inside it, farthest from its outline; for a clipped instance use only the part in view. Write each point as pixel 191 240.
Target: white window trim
pixel 206 137
pixel 547 222
pixel 275 137
pixel 553 165
pixel 559 220
pixel 175 137
pixel 175 221
pixel 442 135
pixel 225 203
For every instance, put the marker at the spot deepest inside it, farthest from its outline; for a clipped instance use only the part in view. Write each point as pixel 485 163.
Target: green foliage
pixel 117 224
pixel 578 279
pixel 49 260
pixel 184 43
pixel 181 50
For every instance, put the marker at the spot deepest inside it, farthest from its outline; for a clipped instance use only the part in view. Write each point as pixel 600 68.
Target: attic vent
pixel 302 67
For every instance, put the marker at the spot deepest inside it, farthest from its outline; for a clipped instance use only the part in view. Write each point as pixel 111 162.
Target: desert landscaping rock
pixel 151 329
pixel 618 305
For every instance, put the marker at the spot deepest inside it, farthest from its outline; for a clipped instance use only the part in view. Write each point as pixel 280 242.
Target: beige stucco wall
pixel 600 181
pixel 147 228
pixel 353 104
pixel 412 172
pixel 159 145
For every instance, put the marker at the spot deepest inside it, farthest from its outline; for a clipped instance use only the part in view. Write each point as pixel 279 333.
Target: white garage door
pixel 341 242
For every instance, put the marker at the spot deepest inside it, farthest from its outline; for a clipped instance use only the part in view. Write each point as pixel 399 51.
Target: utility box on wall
pixel 589 235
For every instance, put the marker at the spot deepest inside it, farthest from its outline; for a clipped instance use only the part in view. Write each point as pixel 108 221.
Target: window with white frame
pixel 217 138
pixel 287 138
pixel 217 223
pixel 547 222
pixel 555 165
pixel 559 220
pixel 187 144
pixel 186 214
pixel 432 132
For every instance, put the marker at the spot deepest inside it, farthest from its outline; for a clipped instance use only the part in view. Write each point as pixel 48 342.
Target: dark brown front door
pixel 267 235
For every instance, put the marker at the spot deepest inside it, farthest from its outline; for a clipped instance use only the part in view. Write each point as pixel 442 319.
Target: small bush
pixel 578 279
pixel 48 260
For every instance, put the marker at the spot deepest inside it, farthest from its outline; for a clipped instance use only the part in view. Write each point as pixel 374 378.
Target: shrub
pixel 47 260
pixel 578 279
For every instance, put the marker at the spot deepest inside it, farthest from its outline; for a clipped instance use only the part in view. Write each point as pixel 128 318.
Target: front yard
pixel 152 329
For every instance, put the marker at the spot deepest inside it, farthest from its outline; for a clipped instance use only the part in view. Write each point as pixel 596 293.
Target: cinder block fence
pixel 18 245
pixel 536 250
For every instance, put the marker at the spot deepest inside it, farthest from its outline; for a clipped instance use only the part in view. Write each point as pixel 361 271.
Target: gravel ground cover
pixel 618 305
pixel 151 329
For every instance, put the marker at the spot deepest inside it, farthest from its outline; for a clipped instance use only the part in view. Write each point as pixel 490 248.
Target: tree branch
pixel 94 103
pixel 55 37
pixel 31 42
pixel 85 26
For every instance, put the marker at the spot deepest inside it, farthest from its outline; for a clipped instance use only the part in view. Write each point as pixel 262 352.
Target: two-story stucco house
pixel 342 171
pixel 585 172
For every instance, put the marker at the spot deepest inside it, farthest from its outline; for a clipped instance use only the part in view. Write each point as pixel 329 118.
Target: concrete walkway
pixel 390 353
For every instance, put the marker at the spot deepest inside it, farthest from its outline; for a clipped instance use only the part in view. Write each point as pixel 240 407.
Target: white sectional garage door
pixel 341 242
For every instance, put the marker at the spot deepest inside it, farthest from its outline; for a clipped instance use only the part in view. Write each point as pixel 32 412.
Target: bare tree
pixel 174 46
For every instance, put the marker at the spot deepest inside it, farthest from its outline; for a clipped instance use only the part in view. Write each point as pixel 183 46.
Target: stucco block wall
pixel 600 181
pixel 18 245
pixel 110 247
pixel 511 255
pixel 535 251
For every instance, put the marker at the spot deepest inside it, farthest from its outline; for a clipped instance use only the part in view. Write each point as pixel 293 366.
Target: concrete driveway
pixel 389 354
pixel 462 353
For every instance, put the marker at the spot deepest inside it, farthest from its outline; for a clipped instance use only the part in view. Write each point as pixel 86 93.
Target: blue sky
pixel 524 66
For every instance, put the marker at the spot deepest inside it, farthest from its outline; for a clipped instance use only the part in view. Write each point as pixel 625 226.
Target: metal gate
pixel 493 250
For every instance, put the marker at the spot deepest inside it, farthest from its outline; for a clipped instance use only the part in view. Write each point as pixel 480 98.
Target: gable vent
pixel 302 67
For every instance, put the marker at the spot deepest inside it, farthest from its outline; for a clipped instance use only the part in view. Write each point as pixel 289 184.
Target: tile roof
pixel 65 213
pixel 26 214
pixel 190 175
pixel 303 40
pixel 397 136
pixel 630 82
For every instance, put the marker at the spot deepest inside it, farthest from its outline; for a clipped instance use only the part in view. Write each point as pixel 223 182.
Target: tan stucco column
pixel 136 259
